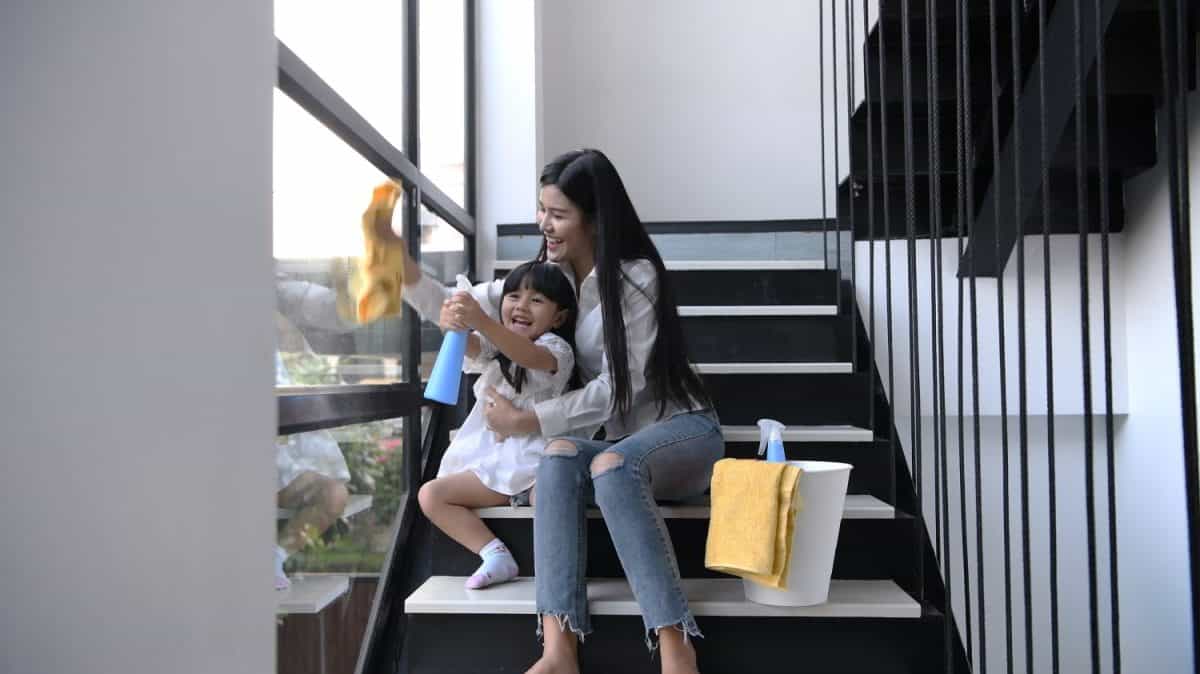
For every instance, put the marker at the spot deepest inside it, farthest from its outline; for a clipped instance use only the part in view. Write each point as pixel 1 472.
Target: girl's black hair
pixel 548 280
pixel 591 182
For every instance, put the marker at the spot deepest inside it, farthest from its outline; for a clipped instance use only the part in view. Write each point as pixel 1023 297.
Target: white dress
pixel 510 466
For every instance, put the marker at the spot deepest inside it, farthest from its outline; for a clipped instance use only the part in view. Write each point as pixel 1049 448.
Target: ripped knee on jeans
pixel 561 448
pixel 606 462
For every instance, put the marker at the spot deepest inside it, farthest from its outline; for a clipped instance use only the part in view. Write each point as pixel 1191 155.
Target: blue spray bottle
pixel 771 440
pixel 446 375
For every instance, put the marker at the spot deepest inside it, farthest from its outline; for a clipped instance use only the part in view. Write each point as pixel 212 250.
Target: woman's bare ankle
pixel 676 651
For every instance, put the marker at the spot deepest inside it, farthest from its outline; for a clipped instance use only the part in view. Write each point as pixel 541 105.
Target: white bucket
pixel 822 494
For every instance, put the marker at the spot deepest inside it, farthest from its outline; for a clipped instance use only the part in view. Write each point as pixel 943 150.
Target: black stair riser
pixel 862 551
pixel 796 399
pixel 767 339
pixel 749 287
pixel 435 643
pixel 754 287
pixel 1131 139
pixel 1063 206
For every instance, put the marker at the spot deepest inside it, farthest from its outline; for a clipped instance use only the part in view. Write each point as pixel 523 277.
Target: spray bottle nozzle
pixel 770 439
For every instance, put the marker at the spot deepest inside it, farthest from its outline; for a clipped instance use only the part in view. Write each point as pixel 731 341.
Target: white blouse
pixel 581 412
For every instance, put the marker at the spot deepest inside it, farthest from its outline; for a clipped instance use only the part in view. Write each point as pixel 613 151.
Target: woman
pixel 662 436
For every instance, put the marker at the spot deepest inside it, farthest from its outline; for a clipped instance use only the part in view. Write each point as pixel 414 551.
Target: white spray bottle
pixel 771 440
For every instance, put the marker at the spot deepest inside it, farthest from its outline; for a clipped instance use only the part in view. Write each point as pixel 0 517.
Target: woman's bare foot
pixel 554 665
pixel 677 653
pixel 560 654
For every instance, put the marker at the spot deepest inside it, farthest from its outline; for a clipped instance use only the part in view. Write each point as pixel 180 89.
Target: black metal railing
pixel 1038 83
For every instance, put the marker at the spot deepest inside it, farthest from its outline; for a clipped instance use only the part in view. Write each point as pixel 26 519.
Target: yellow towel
pixel 380 278
pixel 754 506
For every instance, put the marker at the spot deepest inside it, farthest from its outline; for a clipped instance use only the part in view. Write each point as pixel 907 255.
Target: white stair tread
pixel 706 597
pixel 792 434
pixel 858 507
pixel 356 504
pixel 311 593
pixel 802 434
pixel 774 368
pixel 716 265
pixel 760 310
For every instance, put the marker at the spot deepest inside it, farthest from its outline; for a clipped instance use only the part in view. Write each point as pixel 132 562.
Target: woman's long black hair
pixel 591 182
pixel 548 280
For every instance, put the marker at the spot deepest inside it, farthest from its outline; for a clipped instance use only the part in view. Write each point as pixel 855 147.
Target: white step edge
pixel 792 434
pixel 775 368
pixel 706 597
pixel 858 507
pixel 760 310
pixel 715 265
pixel 802 434
pixel 311 594
pixel 355 505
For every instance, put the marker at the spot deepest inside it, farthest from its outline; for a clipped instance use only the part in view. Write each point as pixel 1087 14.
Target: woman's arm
pixel 592 404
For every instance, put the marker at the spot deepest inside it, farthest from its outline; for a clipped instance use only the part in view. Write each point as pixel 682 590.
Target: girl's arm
pixel 518 348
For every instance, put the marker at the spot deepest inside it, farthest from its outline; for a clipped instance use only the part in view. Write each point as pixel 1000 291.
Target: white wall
pixel 136 404
pixel 707 110
pixel 508 165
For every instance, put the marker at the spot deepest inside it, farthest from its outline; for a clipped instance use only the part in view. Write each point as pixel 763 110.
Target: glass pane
pixel 357 47
pixel 321 187
pixel 443 256
pixel 443 106
pixel 339 494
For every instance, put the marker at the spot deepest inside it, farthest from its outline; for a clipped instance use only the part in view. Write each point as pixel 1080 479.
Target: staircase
pixel 753 327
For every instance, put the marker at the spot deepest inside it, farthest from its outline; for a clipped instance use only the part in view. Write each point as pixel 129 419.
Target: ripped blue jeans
pixel 669 460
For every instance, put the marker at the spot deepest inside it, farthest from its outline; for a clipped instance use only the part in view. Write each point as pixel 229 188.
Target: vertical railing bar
pixel 972 285
pixel 914 355
pixel 850 92
pixel 997 188
pixel 837 143
pixel 961 211
pixel 935 224
pixel 1081 195
pixel 871 366
pixel 824 182
pixel 941 461
pixel 1022 390
pixel 1176 146
pixel 887 254
pixel 1106 303
pixel 1052 506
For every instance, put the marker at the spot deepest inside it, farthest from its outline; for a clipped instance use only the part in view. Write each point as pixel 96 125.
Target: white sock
pixel 498 566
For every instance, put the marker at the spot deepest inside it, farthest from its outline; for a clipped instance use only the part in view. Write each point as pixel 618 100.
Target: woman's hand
pixel 462 312
pixel 503 417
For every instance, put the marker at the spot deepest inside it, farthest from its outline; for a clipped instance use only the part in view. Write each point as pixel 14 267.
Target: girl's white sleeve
pixel 564 356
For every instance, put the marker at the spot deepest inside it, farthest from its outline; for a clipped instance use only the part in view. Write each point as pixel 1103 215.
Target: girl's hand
pixel 466 311
pixel 500 414
pixel 451 317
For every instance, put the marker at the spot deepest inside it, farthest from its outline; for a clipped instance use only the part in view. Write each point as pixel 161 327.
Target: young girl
pixel 528 357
